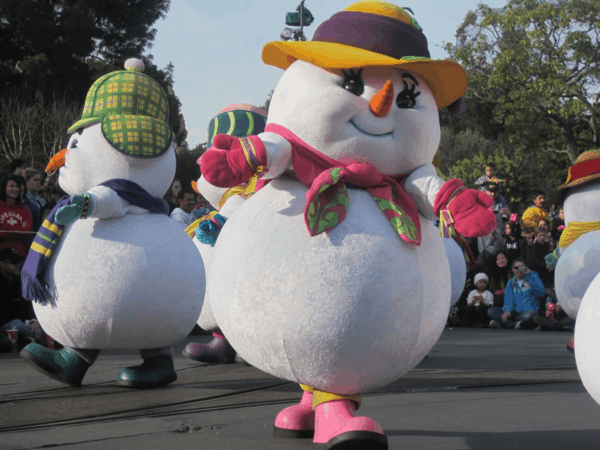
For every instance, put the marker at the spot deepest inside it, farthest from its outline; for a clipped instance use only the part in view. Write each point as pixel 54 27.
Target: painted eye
pixel 407 99
pixel 353 82
pixel 73 143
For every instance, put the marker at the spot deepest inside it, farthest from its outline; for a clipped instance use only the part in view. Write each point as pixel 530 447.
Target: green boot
pixel 154 372
pixel 63 365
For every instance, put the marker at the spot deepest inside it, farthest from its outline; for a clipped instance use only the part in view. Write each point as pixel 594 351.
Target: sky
pixel 215 47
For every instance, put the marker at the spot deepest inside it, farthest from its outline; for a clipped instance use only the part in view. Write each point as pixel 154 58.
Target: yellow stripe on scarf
pixel 574 230
pixel 51 227
pixel 191 228
pixel 41 249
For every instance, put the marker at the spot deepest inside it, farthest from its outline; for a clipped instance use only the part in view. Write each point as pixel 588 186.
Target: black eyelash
pixel 353 82
pixel 407 99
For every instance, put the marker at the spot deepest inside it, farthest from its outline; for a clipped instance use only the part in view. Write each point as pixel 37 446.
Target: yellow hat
pixel 373 33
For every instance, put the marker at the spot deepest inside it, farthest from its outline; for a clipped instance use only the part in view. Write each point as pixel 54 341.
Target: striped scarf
pixel 32 276
pixel 39 255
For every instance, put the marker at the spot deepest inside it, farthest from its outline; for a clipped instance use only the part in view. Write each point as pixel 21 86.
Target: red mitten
pixel 469 209
pixel 231 161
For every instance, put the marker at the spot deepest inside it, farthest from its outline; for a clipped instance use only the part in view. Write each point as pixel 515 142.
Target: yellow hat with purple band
pixel 133 110
pixel 373 33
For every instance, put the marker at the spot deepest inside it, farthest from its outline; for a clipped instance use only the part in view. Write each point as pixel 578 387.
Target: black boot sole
pixel 51 372
pixel 209 360
pixel 294 434
pixel 146 384
pixel 358 440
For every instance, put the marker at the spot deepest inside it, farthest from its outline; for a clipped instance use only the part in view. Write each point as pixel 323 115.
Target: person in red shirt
pixel 16 222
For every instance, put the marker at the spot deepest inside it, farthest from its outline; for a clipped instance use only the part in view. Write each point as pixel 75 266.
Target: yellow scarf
pixel 244 190
pixel 574 230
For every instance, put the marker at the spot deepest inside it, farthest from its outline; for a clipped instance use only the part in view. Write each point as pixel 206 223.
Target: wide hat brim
pixel 585 169
pixel 446 79
pixel 561 192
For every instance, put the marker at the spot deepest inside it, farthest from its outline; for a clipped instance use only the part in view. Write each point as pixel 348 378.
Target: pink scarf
pixel 327 198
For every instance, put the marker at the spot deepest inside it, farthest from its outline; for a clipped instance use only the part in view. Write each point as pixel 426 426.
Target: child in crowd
pixel 552 317
pixel 513 244
pixel 539 250
pixel 478 302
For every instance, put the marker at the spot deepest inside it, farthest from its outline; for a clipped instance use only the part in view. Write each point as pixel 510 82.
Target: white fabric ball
pixel 135 65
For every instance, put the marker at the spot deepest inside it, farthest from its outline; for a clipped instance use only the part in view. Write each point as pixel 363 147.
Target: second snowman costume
pixel 109 269
pixel 333 275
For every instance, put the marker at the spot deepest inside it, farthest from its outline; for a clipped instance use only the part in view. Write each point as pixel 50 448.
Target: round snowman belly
pixel 131 282
pixel 344 311
pixel 577 266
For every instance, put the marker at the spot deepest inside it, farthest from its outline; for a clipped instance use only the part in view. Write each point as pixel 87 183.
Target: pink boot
pixel 218 350
pixel 296 421
pixel 336 426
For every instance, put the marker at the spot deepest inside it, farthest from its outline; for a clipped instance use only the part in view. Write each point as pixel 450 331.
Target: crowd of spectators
pixel 510 284
pixel 26 198
pixel 185 205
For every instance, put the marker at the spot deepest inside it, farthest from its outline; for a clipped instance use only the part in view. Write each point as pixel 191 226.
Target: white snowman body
pixel 458 268
pixel 354 308
pixel 213 194
pixel 122 278
pixel 579 263
pixel 587 334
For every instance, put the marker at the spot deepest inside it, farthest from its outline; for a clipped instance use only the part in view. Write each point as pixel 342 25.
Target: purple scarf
pixel 45 242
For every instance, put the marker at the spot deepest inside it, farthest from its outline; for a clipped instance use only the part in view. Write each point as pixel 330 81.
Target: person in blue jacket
pixel 521 299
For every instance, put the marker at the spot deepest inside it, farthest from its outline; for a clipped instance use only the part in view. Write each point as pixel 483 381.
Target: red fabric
pixel 310 165
pixel 15 218
pixel 218 334
pixel 585 168
pixel 224 163
pixel 470 209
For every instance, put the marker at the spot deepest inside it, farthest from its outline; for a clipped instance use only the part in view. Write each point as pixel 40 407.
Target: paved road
pixel 478 389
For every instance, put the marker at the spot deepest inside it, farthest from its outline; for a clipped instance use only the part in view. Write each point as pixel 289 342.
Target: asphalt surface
pixel 477 389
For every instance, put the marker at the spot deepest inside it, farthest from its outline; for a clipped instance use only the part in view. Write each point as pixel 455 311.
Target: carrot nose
pixel 195 186
pixel 57 161
pixel 381 103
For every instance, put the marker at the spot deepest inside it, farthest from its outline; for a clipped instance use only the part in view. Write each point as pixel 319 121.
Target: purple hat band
pixel 379 34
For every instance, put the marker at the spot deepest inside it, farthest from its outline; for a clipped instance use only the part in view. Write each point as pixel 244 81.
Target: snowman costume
pixel 324 275
pixel 578 250
pixel 577 278
pixel 238 119
pixel 109 268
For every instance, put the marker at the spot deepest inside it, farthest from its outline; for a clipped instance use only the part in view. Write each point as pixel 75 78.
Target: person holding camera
pixel 521 299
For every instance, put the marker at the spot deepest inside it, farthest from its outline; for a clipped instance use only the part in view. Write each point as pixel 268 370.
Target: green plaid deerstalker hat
pixel 133 110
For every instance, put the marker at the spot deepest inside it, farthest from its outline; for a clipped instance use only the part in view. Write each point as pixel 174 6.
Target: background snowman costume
pixel 238 119
pixel 577 278
pixel 578 249
pixel 126 276
pixel 324 276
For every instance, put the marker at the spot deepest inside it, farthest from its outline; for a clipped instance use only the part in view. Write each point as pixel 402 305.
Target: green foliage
pixel 536 63
pixel 56 49
pixel 188 169
pixel 267 102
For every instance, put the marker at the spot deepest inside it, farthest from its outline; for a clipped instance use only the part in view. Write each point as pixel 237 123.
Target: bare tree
pixel 32 131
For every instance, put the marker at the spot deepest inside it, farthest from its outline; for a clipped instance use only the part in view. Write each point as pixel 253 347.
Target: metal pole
pixel 301 20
